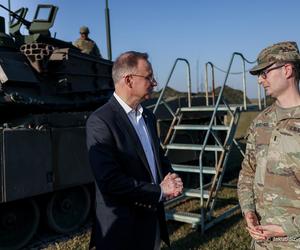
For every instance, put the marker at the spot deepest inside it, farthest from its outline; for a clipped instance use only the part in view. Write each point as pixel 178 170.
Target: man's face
pixel 83 36
pixel 143 81
pixel 273 80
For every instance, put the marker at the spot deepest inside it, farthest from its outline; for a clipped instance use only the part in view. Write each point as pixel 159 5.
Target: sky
pixel 200 31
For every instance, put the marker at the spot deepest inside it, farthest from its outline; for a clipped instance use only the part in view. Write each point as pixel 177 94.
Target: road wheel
pixel 68 209
pixel 18 223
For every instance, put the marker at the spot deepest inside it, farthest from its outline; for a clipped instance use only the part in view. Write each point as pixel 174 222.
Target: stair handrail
pixel 212 80
pixel 169 78
pixel 244 79
pixel 208 132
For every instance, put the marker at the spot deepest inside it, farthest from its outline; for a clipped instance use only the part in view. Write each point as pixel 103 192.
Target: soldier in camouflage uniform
pixel 85 44
pixel 269 182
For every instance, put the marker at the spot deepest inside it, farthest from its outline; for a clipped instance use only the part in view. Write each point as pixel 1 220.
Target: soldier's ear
pixel 289 70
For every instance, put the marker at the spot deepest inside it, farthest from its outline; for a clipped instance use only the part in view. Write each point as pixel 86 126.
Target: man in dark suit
pixel 133 177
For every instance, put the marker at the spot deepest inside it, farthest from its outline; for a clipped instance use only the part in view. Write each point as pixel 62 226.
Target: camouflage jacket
pixel 269 182
pixel 87 46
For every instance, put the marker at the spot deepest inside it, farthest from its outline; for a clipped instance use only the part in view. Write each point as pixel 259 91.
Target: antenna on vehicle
pixel 9 16
pixel 108 40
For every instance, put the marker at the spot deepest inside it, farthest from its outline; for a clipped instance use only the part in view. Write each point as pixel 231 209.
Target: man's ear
pixel 128 81
pixel 289 72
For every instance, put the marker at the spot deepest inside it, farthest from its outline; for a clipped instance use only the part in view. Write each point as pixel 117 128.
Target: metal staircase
pixel 212 143
pixel 219 147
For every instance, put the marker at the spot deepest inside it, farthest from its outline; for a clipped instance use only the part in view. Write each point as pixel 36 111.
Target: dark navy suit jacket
pixel 127 199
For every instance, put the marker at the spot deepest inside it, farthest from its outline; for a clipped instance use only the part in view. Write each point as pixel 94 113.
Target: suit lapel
pixel 124 123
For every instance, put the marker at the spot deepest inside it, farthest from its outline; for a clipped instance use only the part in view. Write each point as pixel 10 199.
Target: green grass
pixel 228 234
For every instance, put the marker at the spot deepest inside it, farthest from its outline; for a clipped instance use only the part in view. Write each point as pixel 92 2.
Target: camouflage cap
pixel 279 52
pixel 84 30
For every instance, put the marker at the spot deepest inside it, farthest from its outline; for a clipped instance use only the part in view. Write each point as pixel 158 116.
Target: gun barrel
pixel 24 21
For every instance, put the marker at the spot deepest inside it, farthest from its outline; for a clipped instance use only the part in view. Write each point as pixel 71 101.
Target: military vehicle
pixel 47 90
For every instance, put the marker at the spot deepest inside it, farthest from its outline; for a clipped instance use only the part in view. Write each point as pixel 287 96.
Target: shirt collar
pixel 287 113
pixel 126 107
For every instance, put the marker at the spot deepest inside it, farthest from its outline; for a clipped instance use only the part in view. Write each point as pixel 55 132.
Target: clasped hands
pixel 171 186
pixel 259 232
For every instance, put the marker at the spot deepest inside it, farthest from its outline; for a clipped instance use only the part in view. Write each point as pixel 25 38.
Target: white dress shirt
pixel 137 121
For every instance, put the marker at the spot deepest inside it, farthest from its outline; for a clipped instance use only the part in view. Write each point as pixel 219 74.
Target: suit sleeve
pixel 165 163
pixel 109 177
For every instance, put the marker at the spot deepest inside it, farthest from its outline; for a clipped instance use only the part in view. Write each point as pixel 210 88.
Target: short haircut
pixel 297 71
pixel 126 63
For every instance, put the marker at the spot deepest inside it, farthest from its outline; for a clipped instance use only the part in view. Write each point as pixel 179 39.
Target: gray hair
pixel 126 63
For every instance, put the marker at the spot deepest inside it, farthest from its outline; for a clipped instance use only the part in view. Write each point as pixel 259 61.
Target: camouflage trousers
pixel 276 245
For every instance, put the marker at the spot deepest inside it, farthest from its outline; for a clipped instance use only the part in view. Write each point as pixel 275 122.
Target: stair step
pixel 193 169
pixel 207 108
pixel 186 217
pixel 189 192
pixel 200 127
pixel 193 147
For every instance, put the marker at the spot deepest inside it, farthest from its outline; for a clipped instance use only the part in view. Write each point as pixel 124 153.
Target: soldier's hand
pixel 251 219
pixel 252 223
pixel 271 230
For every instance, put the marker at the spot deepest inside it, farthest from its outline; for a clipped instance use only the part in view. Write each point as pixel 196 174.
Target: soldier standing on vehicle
pixel 85 44
pixel 269 182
